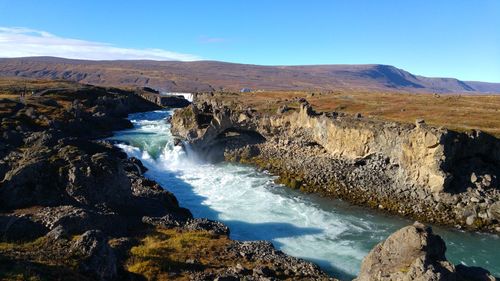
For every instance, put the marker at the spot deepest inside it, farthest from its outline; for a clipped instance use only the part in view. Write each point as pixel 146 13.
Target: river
pixel 331 233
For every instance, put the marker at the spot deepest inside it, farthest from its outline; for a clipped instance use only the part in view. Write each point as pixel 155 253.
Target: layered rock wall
pixel 432 174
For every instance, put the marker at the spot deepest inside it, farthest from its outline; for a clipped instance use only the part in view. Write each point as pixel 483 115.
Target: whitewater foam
pixel 329 232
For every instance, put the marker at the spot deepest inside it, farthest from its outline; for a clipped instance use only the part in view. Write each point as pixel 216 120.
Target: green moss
pixel 38 260
pixel 22 247
pixel 404 269
pixel 186 112
pixel 479 223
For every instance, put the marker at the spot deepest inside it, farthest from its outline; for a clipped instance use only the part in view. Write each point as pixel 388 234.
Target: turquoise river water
pixel 331 233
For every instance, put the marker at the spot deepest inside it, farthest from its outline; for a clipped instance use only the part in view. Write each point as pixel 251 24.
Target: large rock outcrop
pixel 415 253
pixel 432 174
pixel 73 207
pixel 98 259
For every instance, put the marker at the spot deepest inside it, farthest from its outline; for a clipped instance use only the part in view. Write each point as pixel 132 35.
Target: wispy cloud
pixel 23 42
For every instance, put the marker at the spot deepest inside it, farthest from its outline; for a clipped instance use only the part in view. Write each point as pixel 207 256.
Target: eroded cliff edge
pixel 431 174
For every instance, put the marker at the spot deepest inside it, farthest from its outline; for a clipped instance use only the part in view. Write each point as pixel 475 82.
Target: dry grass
pixel 15 85
pixel 37 260
pixel 456 112
pixel 170 254
pixel 166 253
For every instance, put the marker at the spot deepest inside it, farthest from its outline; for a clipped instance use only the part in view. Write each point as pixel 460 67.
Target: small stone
pixel 470 220
pixel 436 197
pixel 486 181
pixel 419 122
pixel 263 271
pixel 483 215
pixel 239 266
pixel 440 207
pixel 473 178
pixel 487 177
pixel 56 233
pixel 226 278
pixel 474 200
pixel 494 211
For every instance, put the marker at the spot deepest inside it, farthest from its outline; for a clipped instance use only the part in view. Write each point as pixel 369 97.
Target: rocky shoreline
pixel 429 174
pixel 74 207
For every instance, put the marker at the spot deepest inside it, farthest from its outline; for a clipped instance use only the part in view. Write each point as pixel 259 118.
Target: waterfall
pixel 331 233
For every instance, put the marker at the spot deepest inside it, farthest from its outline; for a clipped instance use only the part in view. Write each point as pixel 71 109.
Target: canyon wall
pixel 432 174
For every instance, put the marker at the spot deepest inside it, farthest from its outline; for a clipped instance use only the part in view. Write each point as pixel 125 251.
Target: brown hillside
pixel 212 75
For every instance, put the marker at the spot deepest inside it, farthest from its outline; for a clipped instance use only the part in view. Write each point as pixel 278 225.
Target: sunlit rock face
pixel 432 174
pixel 415 253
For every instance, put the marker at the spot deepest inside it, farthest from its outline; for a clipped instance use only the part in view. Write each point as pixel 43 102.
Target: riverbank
pixel 430 174
pixel 331 233
pixel 75 207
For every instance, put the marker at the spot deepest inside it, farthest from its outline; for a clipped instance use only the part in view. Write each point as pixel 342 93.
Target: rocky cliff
pixel 432 174
pixel 74 207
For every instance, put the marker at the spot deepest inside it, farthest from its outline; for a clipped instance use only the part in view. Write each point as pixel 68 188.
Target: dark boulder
pixel 20 228
pixel 43 138
pixel 13 138
pixel 211 226
pixel 134 165
pixel 150 199
pixel 97 179
pixel 167 221
pixel 472 273
pixel 190 224
pixel 73 220
pixel 173 101
pixel 31 182
pixel 97 257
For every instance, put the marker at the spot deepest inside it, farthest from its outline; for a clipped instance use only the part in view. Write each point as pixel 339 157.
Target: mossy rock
pixel 295 183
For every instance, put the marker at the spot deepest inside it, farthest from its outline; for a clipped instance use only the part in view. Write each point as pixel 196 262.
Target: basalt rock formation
pixel 431 174
pixel 162 100
pixel 74 207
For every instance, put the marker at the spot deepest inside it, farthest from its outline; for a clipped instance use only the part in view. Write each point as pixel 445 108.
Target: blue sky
pixel 434 38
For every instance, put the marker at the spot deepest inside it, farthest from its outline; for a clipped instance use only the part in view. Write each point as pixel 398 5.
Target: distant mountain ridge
pixel 214 75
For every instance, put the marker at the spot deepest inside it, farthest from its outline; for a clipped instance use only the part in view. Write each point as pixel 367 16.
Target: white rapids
pixel 331 233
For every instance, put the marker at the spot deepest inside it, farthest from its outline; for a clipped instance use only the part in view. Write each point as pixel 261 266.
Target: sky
pixel 436 38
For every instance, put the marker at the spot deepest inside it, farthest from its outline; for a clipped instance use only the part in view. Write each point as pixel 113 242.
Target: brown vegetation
pixel 215 76
pixel 167 253
pixel 456 112
pixel 36 260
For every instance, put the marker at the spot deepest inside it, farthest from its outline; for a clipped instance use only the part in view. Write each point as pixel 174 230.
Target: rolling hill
pixel 213 75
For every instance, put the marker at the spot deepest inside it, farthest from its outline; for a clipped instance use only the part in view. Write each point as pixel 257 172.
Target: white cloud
pixel 25 42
